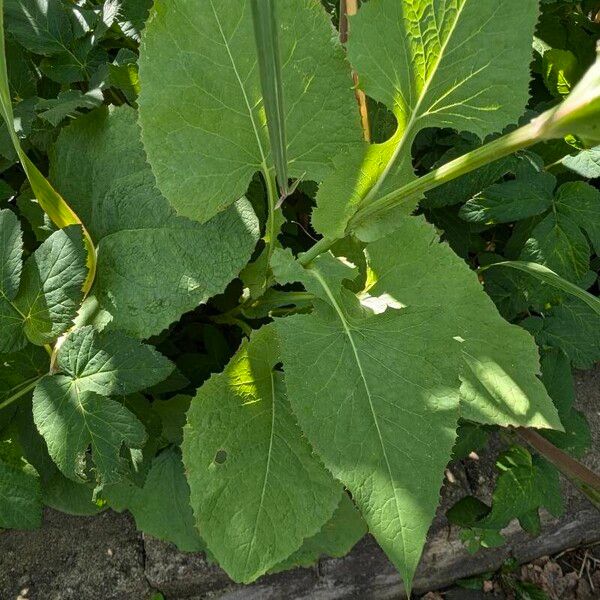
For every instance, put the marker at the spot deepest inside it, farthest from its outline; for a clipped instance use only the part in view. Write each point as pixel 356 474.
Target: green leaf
pixel 573 327
pixel 561 71
pixel 173 416
pixel 467 511
pixel 68 104
pixel 11 265
pixel 558 379
pixel 551 278
pixel 161 507
pixel 586 163
pixel 78 63
pixel 512 200
pixel 242 443
pixel 559 244
pixel 580 202
pixel 499 383
pixel 201 105
pixel 132 17
pixel 464 188
pixel 19 371
pixel 336 538
pixel 524 485
pixel 52 285
pixel 41 26
pixel 111 363
pixel 433 64
pixel 152 265
pixel 71 420
pixel 380 402
pixel 20 494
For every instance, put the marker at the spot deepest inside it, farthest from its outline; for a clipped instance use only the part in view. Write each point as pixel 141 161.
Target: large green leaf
pixel 377 395
pixel 162 506
pixel 201 104
pixel 257 490
pixel 11 265
pixel 51 288
pixel 433 64
pixel 499 382
pixel 71 420
pixel 152 264
pixel 110 363
pixel 336 538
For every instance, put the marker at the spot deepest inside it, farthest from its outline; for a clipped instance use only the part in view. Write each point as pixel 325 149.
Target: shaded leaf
pixel 336 538
pixel 71 420
pixel 52 285
pixel 512 200
pixel 152 265
pixel 161 507
pixel 499 383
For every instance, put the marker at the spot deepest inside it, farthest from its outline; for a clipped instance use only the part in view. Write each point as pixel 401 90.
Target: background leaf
pixel 201 103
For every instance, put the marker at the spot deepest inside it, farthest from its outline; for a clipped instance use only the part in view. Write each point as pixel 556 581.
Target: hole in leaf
pixel 220 457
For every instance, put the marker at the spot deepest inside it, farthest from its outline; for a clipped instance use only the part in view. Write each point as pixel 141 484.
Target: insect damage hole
pixel 220 457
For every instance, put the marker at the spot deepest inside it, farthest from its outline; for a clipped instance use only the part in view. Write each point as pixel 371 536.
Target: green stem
pixel 19 394
pixel 320 247
pixel 503 146
pixel 272 200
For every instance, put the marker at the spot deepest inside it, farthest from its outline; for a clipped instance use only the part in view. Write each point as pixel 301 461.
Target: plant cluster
pixel 259 286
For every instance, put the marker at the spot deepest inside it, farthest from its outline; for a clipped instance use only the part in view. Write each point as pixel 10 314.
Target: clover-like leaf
pixel 51 288
pixel 111 363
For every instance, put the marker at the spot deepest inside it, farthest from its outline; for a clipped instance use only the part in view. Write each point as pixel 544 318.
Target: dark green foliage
pixel 163 390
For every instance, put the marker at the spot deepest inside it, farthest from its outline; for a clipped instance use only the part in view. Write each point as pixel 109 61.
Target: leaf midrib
pixel 267 471
pixel 261 150
pixel 350 337
pixel 415 114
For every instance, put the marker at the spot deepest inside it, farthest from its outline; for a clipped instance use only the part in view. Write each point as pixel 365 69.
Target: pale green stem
pixel 503 146
pixel 19 394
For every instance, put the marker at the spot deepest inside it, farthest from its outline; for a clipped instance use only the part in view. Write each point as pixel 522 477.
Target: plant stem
pixel 503 146
pixel 319 248
pixel 20 393
pixel 578 474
